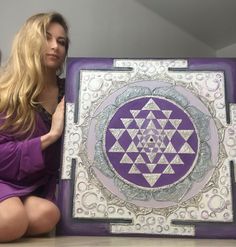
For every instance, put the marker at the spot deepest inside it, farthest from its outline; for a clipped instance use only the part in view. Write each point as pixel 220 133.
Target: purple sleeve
pixel 19 159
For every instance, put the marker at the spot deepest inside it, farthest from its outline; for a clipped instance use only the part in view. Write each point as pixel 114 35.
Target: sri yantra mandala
pixel 149 148
pixel 150 142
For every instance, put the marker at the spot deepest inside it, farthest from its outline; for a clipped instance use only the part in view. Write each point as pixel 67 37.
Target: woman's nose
pixel 53 44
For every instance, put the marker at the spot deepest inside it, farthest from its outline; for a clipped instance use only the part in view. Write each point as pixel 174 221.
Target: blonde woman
pixel 31 124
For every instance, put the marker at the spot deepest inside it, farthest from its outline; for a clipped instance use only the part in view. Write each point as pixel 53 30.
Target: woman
pixel 31 123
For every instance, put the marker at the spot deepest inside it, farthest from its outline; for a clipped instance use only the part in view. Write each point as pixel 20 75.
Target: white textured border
pixel 92 201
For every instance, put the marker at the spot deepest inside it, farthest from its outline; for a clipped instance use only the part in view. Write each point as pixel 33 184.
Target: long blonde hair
pixel 22 78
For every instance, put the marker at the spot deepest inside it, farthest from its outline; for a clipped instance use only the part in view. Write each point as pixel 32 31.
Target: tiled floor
pixel 85 241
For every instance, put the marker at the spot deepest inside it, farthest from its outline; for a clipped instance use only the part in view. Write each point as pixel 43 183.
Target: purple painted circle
pixel 151 142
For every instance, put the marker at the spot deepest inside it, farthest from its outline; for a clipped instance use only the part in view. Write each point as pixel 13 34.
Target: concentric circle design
pixel 151 142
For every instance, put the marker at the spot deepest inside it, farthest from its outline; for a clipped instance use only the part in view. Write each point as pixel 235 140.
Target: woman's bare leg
pixel 42 214
pixel 13 219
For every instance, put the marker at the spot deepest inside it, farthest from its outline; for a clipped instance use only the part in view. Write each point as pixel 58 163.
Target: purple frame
pixel 71 226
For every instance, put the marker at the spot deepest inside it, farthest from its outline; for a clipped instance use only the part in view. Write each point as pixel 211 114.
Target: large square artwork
pixel 149 148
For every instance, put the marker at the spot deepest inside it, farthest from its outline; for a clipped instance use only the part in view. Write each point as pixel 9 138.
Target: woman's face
pixel 55 47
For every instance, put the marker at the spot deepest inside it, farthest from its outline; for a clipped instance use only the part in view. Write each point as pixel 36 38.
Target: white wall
pixel 229 51
pixel 105 28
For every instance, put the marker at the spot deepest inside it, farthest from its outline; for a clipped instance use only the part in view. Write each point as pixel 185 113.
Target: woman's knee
pixel 44 219
pixel 50 214
pixel 13 220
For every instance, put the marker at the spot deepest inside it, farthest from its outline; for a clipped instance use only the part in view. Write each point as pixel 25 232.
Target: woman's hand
pixel 56 127
pixel 58 120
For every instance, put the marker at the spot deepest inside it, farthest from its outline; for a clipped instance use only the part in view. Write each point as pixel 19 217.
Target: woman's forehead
pixel 56 29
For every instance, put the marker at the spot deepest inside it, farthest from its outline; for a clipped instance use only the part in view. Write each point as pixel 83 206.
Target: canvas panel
pixel 149 148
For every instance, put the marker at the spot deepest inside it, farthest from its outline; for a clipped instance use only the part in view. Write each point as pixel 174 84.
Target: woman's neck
pixel 48 98
pixel 50 79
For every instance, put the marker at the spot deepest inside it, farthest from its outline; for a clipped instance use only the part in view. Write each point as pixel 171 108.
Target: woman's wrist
pixel 48 139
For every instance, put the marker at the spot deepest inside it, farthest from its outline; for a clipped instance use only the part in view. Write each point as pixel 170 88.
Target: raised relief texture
pixel 149 148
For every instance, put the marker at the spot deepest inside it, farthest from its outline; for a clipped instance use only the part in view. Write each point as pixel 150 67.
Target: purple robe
pixel 24 168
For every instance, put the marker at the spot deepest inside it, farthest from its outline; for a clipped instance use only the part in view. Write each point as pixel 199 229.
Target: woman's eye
pixel 48 35
pixel 62 42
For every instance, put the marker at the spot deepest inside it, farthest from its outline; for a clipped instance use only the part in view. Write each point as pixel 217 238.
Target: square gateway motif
pixel 149 148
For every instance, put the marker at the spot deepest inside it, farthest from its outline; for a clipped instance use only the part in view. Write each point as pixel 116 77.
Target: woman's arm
pixel 56 127
pixel 19 159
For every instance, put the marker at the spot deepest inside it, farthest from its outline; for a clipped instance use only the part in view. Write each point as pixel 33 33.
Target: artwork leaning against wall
pixel 149 148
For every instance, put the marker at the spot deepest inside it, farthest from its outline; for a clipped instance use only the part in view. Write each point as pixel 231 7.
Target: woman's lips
pixel 54 56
